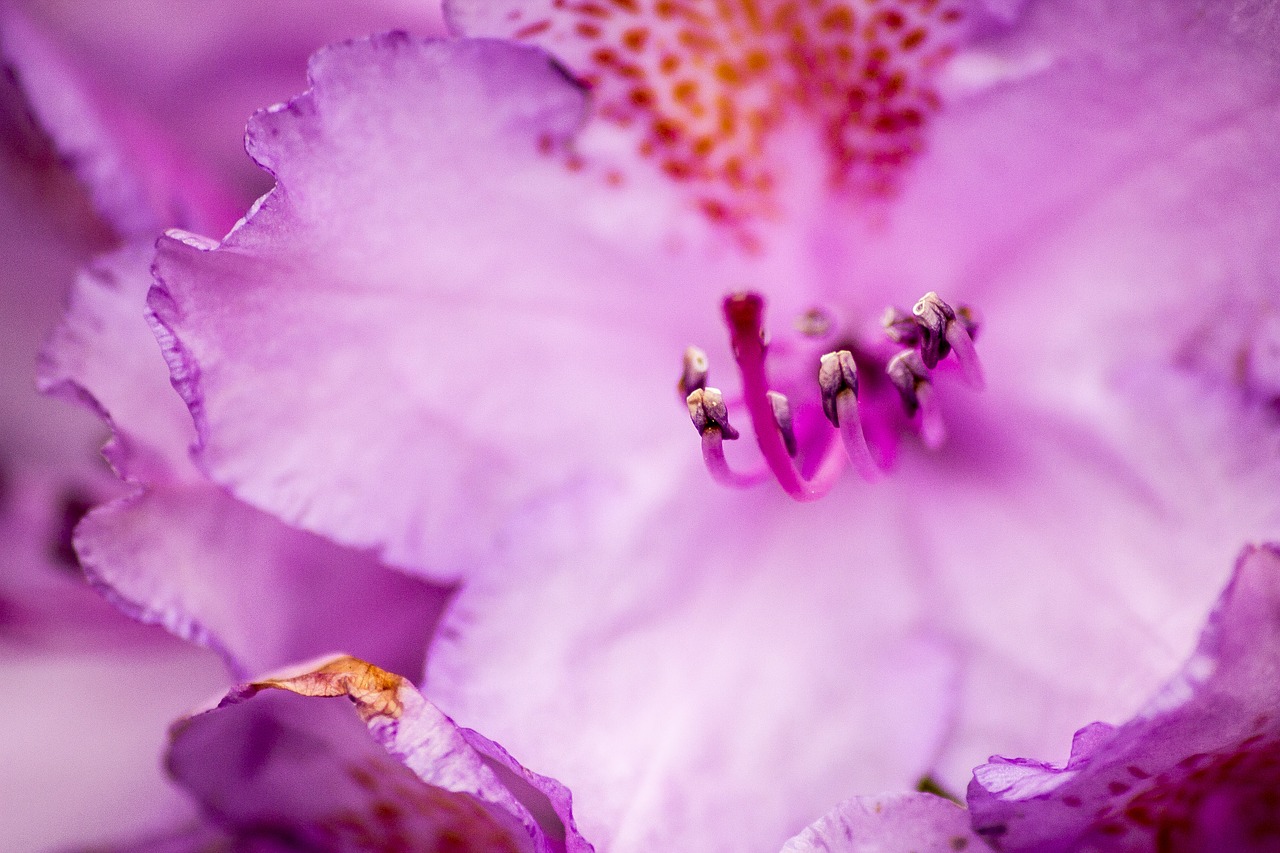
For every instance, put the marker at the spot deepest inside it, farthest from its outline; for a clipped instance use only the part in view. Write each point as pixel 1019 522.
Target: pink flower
pixel 450 333
pixel 445 344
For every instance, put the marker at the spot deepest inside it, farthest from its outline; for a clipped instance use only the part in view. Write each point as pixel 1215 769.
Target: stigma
pixel 851 411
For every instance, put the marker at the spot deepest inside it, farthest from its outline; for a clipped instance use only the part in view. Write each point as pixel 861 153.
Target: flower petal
pixel 898 823
pixel 183 553
pixel 307 770
pixel 87 691
pixel 207 68
pixel 136 182
pixel 1095 188
pixel 1196 769
pixel 427 324
pixel 708 673
pixel 749 106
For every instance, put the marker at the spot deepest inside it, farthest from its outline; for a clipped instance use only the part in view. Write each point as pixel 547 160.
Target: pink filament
pixel 718 466
pixel 966 354
pixel 852 437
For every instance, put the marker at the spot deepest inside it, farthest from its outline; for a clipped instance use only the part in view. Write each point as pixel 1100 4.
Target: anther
pixel 693 376
pixel 814 323
pixel 838 382
pixel 837 372
pixel 710 415
pixel 933 316
pixel 909 375
pixel 782 417
pixel 708 412
pixel 900 328
pixel 906 371
pixel 968 318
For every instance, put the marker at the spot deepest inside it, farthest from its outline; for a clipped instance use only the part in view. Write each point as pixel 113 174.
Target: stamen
pixel 909 375
pixel 838 381
pixel 710 416
pixel 933 316
pixel 940 330
pixel 906 370
pixel 814 323
pixel 900 328
pixel 718 466
pixel 744 313
pixel 803 457
pixel 708 411
pixel 962 345
pixel 782 417
pixel 693 377
pixel 837 372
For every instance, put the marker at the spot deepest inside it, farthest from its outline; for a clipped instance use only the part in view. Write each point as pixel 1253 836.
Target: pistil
pixel 744 313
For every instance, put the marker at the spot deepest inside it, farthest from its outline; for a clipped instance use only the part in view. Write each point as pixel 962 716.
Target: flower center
pixel 859 398
pixel 702 85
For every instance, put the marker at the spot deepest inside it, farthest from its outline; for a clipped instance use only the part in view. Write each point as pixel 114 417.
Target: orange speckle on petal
pixel 704 86
pixel 634 39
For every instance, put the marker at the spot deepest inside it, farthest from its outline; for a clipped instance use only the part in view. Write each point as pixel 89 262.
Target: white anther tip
pixel 837 372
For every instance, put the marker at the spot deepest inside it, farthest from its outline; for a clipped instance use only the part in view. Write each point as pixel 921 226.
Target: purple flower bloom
pixel 445 336
pixel 445 343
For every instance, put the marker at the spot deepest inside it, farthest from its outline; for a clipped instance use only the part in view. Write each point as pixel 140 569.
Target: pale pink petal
pixel 224 575
pixel 1100 187
pixel 103 354
pixel 898 823
pixel 183 553
pixel 1196 769
pixel 416 373
pixel 430 322
pixel 705 676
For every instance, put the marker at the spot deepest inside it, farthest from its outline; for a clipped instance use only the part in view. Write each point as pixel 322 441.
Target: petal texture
pixel 920 823
pixel 704 675
pixel 1092 186
pixel 182 552
pixel 462 349
pixel 1197 769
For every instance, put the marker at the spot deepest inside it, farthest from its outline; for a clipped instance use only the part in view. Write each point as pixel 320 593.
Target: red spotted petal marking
pixel 704 83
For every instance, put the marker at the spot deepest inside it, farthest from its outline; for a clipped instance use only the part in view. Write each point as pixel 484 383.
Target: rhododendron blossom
pixel 972 308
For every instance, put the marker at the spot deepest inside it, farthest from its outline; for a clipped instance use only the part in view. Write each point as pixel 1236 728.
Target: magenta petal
pixel 899 823
pixel 1197 769
pixel 304 770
